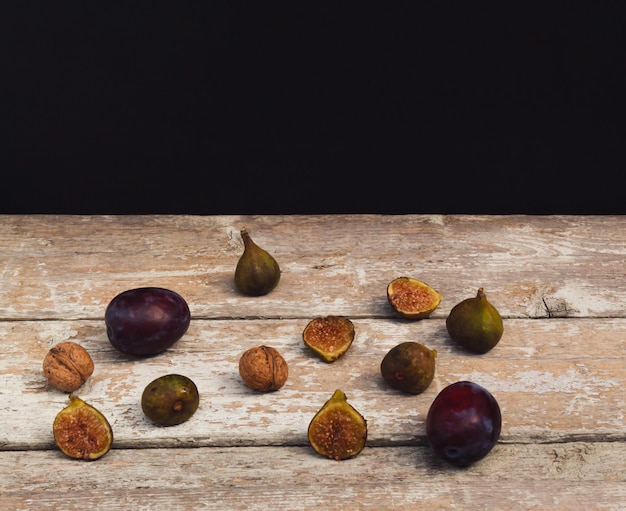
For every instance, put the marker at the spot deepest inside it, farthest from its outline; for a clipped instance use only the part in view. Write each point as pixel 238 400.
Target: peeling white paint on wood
pixel 558 373
pixel 578 475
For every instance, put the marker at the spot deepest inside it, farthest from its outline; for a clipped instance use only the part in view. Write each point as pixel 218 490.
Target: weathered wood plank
pixel 68 267
pixel 555 380
pixel 559 380
pixel 572 476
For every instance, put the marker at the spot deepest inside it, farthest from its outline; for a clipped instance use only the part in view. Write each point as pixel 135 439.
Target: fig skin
pixel 409 367
pixel 412 298
pixel 81 431
pixel 337 431
pixel 257 272
pixel 170 400
pixel 146 321
pixel 475 324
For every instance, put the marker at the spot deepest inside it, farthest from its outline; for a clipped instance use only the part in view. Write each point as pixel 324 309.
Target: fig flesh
pixel 409 367
pixel 146 321
pixel 329 337
pixel 257 272
pixel 170 400
pixel 81 431
pixel 412 298
pixel 475 324
pixel 337 431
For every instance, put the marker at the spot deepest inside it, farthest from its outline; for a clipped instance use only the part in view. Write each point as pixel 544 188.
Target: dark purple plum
pixel 146 321
pixel 463 423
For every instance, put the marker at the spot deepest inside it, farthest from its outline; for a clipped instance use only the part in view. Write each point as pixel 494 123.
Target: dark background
pixel 313 107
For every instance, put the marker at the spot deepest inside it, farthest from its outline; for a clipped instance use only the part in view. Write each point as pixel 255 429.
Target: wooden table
pixel 558 373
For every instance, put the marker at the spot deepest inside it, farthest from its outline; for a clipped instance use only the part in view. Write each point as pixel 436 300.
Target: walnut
pixel 67 366
pixel 263 368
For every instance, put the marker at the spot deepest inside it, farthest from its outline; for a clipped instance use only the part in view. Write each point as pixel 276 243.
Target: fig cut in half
pixel 329 337
pixel 338 431
pixel 81 431
pixel 412 298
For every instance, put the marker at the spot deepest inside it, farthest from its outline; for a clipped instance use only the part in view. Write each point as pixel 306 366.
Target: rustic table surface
pixel 559 372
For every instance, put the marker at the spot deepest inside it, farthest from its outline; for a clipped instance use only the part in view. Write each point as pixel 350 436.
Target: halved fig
pixel 412 298
pixel 338 431
pixel 81 431
pixel 329 337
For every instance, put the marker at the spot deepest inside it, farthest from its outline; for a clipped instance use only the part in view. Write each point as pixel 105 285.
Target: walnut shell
pixel 263 369
pixel 67 366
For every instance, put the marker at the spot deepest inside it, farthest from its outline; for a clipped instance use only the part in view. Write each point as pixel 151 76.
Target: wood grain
pixel 69 267
pixel 571 476
pixel 558 373
pixel 543 393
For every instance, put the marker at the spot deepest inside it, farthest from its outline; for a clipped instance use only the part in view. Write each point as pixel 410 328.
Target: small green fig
pixel 170 400
pixel 409 367
pixel 475 324
pixel 257 272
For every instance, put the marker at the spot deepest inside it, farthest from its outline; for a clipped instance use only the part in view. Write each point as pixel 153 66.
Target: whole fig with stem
pixel 257 272
pixel 475 324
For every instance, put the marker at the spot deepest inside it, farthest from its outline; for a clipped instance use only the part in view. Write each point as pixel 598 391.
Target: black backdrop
pixel 313 107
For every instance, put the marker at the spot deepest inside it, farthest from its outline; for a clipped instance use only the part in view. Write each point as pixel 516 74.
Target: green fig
pixel 170 400
pixel 475 324
pixel 337 431
pixel 257 272
pixel 409 367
